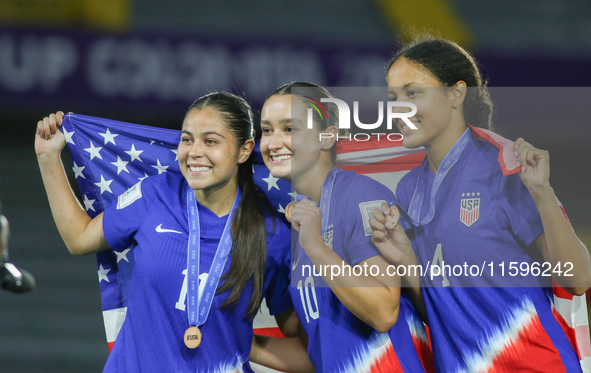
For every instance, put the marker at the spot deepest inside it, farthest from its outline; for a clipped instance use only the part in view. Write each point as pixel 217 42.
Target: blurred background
pixel 145 61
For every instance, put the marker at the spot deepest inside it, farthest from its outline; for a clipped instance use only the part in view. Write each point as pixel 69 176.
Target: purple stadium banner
pixel 168 70
pixel 164 73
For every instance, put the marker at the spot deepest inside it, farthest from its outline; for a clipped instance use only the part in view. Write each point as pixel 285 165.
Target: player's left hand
pixel 393 244
pixel 307 220
pixel 535 165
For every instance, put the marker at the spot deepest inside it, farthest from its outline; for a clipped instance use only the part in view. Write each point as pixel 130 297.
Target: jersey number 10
pixel 305 291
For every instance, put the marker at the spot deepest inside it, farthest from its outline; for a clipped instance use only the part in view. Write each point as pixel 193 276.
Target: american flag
pixel 108 157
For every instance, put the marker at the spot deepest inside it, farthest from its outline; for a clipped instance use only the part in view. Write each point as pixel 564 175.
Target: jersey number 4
pixel 438 261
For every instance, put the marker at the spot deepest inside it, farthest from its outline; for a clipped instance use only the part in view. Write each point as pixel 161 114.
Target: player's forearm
pixel 288 323
pixel 366 297
pixel 69 217
pixel 378 307
pixel 562 244
pixel 283 354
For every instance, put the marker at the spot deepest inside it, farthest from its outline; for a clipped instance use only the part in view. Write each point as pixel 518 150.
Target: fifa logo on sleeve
pixel 469 210
pixel 328 238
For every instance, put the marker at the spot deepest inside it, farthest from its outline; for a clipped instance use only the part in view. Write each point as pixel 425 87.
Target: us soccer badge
pixel 469 210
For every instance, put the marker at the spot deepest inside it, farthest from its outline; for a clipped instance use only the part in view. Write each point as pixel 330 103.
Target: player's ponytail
pixel 450 63
pixel 249 251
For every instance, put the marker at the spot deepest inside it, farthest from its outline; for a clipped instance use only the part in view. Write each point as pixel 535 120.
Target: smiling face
pixel 276 125
pixel 408 81
pixel 291 149
pixel 208 152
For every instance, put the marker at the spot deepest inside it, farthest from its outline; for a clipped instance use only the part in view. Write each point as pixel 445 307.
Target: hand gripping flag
pixel 108 157
pixel 570 310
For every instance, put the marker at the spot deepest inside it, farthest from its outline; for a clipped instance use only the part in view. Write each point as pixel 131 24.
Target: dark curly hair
pixel 450 63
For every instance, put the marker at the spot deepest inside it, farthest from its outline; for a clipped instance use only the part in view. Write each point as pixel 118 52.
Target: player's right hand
pixel 393 244
pixel 48 138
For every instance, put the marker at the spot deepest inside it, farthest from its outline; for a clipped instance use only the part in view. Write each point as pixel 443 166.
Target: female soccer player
pixel 353 323
pixel 211 225
pixel 475 209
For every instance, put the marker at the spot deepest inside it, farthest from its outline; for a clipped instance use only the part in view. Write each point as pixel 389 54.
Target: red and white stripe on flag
pixel 383 161
pixel 388 163
pixel 569 310
pixel 113 321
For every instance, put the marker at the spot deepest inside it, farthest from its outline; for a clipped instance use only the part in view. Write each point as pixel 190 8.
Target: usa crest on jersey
pixel 469 210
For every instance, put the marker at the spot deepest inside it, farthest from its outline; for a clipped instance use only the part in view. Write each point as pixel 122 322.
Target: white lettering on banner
pixel 261 70
pixel 165 69
pixel 36 61
pixel 360 70
pixel 61 60
pixel 204 67
pixel 137 69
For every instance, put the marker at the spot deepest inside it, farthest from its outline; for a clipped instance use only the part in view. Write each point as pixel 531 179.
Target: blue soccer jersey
pixel 338 340
pixel 483 217
pixel 152 219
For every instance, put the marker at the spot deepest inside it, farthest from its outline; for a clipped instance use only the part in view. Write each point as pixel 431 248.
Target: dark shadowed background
pixel 145 61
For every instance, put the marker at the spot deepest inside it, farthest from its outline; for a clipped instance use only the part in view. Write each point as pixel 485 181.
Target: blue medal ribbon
pixel 324 197
pixel 416 202
pixel 198 307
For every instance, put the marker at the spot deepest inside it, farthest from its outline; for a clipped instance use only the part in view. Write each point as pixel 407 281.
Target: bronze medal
pixel 392 218
pixel 288 210
pixel 193 337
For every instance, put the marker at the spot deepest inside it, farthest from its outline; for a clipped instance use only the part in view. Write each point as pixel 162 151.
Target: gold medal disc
pixel 392 218
pixel 288 210
pixel 193 337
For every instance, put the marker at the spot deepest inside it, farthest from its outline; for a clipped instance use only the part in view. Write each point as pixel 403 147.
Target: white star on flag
pixel 68 136
pixel 109 137
pixel 271 182
pixel 94 151
pixel 121 165
pixel 104 185
pixel 78 171
pixel 293 194
pixel 122 256
pixel 160 167
pixel 134 154
pixel 281 209
pixel 176 154
pixel 88 203
pixel 102 273
pixel 142 178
